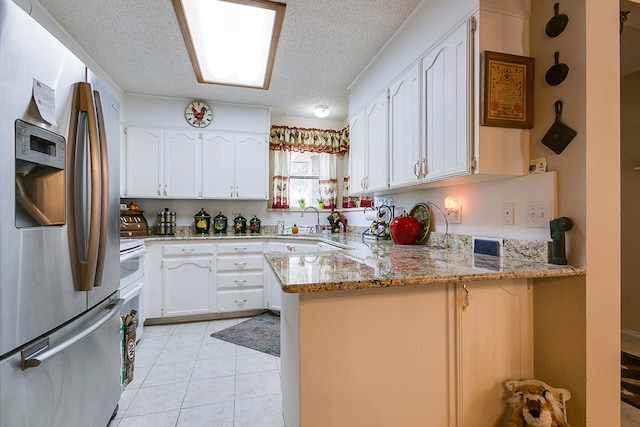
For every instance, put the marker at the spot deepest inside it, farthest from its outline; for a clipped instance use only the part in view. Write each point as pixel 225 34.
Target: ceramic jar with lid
pixel 220 224
pixel 240 224
pixel 203 222
pixel 254 225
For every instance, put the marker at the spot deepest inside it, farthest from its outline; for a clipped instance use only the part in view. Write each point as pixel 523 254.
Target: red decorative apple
pixel 404 229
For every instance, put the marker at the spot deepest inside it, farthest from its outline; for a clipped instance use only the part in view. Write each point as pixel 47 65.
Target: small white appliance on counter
pixel 59 299
pixel 132 254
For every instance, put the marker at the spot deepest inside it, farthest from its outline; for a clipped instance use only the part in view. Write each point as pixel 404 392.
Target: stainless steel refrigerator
pixel 59 240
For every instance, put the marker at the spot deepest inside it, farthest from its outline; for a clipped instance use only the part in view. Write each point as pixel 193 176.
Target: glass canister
pixel 220 224
pixel 240 224
pixel 254 225
pixel 203 221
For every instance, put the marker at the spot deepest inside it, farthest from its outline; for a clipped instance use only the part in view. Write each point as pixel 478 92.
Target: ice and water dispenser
pixel 40 176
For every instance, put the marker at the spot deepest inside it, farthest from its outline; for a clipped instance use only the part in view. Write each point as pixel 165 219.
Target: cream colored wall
pixel 630 198
pixel 577 325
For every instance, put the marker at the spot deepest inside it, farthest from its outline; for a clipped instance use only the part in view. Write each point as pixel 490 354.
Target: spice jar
pixel 220 224
pixel 240 224
pixel 254 225
pixel 203 221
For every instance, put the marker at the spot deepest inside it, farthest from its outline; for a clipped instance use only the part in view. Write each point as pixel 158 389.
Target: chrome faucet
pixel 317 213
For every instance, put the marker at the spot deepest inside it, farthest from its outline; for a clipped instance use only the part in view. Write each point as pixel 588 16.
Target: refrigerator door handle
pixel 104 188
pixel 83 249
pixel 40 352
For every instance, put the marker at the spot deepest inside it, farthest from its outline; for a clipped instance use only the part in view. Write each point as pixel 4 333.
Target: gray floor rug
pixel 260 333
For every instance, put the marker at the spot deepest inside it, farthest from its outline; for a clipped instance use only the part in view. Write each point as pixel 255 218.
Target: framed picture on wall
pixel 506 90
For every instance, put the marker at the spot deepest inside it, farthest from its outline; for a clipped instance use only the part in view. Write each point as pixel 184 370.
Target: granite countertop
pixel 354 263
pixel 383 265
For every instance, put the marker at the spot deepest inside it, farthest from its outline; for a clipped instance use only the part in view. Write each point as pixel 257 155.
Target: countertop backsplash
pixel 513 248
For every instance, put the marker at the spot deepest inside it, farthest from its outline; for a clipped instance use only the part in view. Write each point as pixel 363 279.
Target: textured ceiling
pixel 323 47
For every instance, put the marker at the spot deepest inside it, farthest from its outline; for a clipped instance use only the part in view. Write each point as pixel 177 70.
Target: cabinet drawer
pixel 240 247
pixel 293 247
pixel 188 249
pixel 240 280
pixel 244 262
pixel 240 300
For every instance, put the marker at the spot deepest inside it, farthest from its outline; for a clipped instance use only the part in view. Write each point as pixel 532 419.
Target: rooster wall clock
pixel 198 114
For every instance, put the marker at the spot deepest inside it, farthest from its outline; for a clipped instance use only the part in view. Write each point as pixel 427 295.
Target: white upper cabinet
pixel 217 167
pixel 406 151
pixel 143 160
pixel 377 117
pixel 182 164
pixel 235 165
pixel 368 155
pixel 432 127
pixel 446 81
pixel 357 153
pixel 191 164
pixel 251 161
pixel 162 163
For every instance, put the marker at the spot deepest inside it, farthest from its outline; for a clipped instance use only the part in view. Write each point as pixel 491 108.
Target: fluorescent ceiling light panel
pixel 231 42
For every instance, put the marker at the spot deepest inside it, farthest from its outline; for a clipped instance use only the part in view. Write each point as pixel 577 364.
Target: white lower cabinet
pixel 187 279
pixel 272 287
pixel 240 275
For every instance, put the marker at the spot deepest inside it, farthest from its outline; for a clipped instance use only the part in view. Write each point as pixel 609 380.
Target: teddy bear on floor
pixel 535 406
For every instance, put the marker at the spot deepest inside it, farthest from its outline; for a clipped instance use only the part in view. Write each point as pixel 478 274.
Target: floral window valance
pixel 314 140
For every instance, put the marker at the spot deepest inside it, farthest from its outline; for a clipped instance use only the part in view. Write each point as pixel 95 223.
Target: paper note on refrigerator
pixel 45 99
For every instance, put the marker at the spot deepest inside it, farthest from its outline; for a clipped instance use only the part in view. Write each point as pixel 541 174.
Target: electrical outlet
pixel 507 213
pixel 538 214
pixel 454 216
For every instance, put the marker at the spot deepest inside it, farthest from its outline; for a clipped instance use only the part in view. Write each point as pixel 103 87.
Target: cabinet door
pixel 496 345
pixel 217 165
pixel 446 81
pixel 272 290
pixel 357 154
pixel 182 164
pixel 405 153
pixel 251 153
pixel 143 161
pixel 187 284
pixel 377 116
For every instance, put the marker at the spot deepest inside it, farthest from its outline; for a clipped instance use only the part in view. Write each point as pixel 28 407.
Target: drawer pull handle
pixel 240 281
pixel 240 264
pixel 465 303
pixel 240 301
pixel 240 249
pixel 188 251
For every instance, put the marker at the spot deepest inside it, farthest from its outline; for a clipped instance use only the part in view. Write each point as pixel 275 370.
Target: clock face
pixel 198 114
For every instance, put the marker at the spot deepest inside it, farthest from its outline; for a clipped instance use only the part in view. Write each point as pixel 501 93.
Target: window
pixel 304 178
pixel 308 164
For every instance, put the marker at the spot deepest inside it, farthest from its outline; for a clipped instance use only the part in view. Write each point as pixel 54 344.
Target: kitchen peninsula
pixel 386 334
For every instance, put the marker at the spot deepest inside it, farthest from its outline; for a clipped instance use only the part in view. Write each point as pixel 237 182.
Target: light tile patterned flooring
pixel 183 377
pixel 629 415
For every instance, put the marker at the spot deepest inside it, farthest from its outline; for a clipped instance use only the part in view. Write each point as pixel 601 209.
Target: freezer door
pixel 36 285
pixel 77 386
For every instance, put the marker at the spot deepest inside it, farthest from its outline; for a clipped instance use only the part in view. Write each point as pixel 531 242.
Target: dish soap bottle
pixel 294 229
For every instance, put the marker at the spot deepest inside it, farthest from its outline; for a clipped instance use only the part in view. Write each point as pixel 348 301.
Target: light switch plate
pixel 538 214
